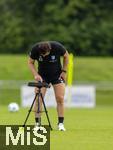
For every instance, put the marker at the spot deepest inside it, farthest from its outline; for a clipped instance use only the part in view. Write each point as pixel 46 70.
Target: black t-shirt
pixel 50 65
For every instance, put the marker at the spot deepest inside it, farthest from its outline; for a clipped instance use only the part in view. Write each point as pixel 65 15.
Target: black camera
pixel 39 84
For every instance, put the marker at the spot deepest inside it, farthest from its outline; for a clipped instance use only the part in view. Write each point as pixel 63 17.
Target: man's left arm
pixel 65 64
pixel 65 61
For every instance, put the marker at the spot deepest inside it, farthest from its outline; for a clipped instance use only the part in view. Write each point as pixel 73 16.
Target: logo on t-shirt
pixel 40 58
pixel 53 58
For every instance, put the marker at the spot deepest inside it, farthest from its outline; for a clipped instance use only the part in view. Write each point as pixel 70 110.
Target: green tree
pixel 84 27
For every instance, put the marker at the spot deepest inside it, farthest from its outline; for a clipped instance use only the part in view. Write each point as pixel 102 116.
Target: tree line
pixel 84 27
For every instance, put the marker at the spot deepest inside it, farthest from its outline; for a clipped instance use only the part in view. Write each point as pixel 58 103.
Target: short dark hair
pixel 44 47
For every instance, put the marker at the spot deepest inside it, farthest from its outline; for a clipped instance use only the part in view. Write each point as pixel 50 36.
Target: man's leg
pixel 59 90
pixel 38 115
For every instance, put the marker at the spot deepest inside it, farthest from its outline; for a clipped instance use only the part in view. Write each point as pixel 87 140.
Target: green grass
pixel 87 129
pixel 104 98
pixel 93 69
pixel 14 67
pixel 9 95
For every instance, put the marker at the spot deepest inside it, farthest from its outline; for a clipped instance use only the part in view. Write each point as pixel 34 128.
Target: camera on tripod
pixel 39 84
pixel 38 95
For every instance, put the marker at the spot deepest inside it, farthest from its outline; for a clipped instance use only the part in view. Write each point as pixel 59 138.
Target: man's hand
pixel 38 78
pixel 31 65
pixel 63 76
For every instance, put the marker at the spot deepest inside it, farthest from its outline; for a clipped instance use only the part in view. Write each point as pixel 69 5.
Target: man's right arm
pixel 31 64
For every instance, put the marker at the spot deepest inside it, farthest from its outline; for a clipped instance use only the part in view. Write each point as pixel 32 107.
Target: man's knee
pixel 60 99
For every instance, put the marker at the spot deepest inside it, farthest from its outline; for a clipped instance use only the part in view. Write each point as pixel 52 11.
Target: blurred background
pixel 84 27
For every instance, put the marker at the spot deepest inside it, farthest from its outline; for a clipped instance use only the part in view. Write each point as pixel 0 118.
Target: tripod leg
pixel 29 111
pixel 39 110
pixel 46 111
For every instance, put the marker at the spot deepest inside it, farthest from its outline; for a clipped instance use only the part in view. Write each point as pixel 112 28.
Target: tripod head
pixel 39 84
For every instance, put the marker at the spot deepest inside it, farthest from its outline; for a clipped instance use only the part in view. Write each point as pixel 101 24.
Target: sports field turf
pixel 14 67
pixel 91 69
pixel 87 129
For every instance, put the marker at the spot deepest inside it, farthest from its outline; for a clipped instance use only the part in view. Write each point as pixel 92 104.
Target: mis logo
pixel 21 134
pixel 16 137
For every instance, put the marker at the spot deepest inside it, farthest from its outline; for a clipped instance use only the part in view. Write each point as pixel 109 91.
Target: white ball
pixel 13 107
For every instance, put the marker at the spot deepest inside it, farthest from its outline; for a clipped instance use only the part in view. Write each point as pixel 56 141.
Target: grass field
pixel 100 69
pixel 87 129
pixel 14 67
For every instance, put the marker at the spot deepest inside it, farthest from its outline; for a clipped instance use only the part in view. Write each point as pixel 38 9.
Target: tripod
pixel 38 95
